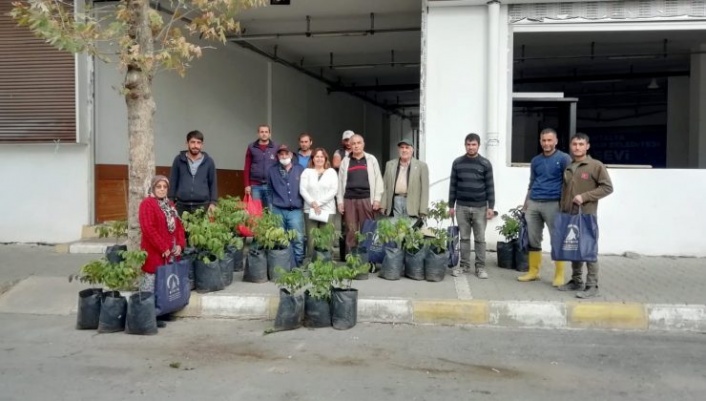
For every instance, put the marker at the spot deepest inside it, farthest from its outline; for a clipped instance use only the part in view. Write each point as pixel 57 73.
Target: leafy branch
pixel 166 46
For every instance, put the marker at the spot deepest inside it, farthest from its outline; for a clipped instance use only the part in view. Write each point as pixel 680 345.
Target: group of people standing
pixel 559 183
pixel 307 188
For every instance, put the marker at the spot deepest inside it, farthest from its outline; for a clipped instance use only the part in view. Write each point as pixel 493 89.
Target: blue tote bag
pixel 454 243
pixel 171 287
pixel 376 249
pixel 575 237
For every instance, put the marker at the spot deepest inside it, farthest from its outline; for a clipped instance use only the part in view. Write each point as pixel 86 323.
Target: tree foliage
pixel 87 29
pixel 143 37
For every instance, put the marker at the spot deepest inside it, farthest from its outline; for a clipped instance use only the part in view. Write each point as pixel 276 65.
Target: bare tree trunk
pixel 140 112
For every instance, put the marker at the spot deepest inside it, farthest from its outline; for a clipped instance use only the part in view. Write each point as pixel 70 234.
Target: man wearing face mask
pixel 283 180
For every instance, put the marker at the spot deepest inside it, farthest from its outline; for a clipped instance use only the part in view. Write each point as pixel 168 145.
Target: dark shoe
pixel 166 318
pixel 572 285
pixel 589 292
pixel 161 324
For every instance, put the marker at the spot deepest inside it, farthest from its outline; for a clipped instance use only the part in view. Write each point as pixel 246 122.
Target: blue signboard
pixel 646 145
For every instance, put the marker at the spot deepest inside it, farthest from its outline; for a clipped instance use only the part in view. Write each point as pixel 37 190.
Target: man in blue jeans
pixel 259 158
pixel 283 180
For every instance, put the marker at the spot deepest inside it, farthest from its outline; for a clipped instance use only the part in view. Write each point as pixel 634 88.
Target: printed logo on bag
pixel 376 239
pixel 571 241
pixel 173 288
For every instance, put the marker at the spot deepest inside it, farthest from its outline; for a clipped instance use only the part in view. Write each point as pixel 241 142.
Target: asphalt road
pixel 44 358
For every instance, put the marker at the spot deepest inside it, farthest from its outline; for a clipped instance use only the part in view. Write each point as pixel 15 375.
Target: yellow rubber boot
pixel 558 274
pixel 535 259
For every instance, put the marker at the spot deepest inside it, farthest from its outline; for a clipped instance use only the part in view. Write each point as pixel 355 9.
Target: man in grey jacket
pixel 360 188
pixel 406 184
pixel 193 177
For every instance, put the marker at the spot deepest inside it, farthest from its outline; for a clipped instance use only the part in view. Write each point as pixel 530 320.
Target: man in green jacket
pixel 586 180
pixel 406 183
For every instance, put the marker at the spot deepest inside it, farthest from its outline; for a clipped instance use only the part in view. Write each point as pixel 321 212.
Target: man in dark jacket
pixel 193 177
pixel 284 179
pixel 259 157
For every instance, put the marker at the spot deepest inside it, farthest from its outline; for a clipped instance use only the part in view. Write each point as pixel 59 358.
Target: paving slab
pixel 643 293
pixel 19 261
pixel 374 287
pixel 42 296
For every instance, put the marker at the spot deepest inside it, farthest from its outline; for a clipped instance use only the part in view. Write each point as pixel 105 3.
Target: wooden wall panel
pixel 112 186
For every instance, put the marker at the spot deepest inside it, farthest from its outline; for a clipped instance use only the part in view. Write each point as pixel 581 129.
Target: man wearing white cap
pixel 343 151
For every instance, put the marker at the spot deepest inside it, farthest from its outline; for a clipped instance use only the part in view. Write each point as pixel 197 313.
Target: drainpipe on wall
pixel 492 141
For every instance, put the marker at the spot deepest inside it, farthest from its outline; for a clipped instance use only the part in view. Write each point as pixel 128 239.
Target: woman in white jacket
pixel 318 187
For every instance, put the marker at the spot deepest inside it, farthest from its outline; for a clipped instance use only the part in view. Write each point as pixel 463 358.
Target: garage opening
pixel 636 94
pixel 368 49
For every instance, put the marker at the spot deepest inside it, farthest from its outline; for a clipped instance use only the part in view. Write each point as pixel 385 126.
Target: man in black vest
pixel 260 156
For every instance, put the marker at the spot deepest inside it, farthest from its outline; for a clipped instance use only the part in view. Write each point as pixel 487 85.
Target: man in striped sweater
pixel 472 199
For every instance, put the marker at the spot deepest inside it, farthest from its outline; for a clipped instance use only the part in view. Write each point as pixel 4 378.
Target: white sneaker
pixel 456 272
pixel 481 273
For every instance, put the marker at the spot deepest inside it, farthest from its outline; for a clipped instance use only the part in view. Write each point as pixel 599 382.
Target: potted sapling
pixel 231 212
pixel 317 297
pixel 114 229
pixel 209 239
pixel 360 253
pixel 256 259
pixel 290 311
pixel 392 233
pixel 437 240
pixel 509 253
pixel 322 239
pixel 415 252
pixel 89 299
pixel 344 298
pixel 437 258
pixel 277 242
pixel 105 309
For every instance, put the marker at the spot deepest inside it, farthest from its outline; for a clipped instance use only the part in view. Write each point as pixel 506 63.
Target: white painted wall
pixel 225 96
pixel 454 87
pixel 300 103
pixel 652 212
pixel 46 197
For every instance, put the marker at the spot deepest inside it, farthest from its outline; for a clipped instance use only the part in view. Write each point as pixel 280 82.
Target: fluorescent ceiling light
pixel 636 57
pixel 602 81
pixel 543 95
pixel 338 34
pixel 353 67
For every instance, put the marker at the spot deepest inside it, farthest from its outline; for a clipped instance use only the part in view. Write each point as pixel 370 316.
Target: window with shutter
pixel 37 86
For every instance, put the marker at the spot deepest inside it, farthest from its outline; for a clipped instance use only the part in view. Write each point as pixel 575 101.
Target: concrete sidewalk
pixel 644 293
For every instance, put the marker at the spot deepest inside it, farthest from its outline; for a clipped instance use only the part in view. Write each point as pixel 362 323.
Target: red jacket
pixel 156 238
